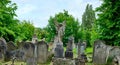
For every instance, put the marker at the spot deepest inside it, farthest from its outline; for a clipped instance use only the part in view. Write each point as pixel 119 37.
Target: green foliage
pixel 108 22
pixel 41 33
pixel 7 34
pixel 25 30
pixel 88 19
pixel 72 26
pixel 7 13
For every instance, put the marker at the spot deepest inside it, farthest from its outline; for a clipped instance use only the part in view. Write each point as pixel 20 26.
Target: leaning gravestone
pixel 99 52
pixel 69 51
pixel 42 51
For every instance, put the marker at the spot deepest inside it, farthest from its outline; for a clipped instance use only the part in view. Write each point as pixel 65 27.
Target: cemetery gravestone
pixel 42 51
pixel 99 52
pixel 69 51
pixel 28 49
pixel 59 51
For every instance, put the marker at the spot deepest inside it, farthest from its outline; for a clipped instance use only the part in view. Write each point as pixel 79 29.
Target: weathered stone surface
pixel 79 54
pixel 34 39
pixel 3 45
pixel 68 54
pixel 116 60
pixel 99 52
pixel 11 46
pixel 28 49
pixel 59 51
pixel 81 50
pixel 31 61
pixel 69 50
pixel 79 61
pixel 70 44
pixel 42 52
pixel 114 56
pixel 61 61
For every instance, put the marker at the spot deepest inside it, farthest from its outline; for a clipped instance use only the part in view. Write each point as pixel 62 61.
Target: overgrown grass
pixel 89 50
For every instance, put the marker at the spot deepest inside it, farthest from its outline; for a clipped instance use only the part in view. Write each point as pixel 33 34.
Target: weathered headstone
pixel 99 52
pixel 81 50
pixel 69 50
pixel 28 49
pixel 42 51
pixel 59 51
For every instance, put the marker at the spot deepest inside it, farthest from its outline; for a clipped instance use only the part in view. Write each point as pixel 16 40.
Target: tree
pixel 88 19
pixel 108 22
pixel 25 31
pixel 7 14
pixel 72 26
pixel 41 33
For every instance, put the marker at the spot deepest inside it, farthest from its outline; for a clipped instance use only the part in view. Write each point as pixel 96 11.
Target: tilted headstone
pixel 42 51
pixel 99 52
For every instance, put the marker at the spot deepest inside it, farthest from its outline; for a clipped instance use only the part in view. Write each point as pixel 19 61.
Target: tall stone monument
pixel 58 44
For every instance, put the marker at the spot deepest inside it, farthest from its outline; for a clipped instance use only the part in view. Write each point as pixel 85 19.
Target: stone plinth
pixel 63 61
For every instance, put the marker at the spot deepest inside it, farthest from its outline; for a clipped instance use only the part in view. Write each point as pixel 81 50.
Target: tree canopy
pixel 108 22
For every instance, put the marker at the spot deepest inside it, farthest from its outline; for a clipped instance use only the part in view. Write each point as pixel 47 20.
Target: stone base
pixel 31 61
pixel 69 54
pixel 63 61
pixel 79 61
pixel 83 56
pixel 59 51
